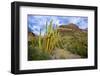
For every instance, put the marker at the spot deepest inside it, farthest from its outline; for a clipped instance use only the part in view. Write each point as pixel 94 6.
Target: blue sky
pixel 35 23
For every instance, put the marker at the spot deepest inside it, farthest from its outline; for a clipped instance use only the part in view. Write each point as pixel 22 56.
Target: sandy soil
pixel 61 53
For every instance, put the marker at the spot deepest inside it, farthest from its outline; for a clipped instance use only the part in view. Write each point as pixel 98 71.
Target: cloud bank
pixel 35 23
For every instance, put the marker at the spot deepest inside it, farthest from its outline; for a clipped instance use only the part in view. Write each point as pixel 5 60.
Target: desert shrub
pixel 78 45
pixel 29 43
pixel 40 47
pixel 35 53
pixel 33 42
pixel 75 42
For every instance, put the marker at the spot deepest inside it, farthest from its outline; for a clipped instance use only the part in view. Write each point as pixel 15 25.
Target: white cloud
pixel 38 22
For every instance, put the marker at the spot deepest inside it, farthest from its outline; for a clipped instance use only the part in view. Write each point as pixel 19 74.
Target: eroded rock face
pixel 30 36
pixel 70 26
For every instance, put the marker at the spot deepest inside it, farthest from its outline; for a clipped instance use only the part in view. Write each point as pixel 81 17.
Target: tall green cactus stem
pixel 40 42
pixel 52 37
pixel 50 40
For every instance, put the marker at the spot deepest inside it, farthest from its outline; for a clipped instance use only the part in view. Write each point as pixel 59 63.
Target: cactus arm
pixel 40 43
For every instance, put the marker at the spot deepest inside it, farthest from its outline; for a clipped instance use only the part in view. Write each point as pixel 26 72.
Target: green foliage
pixel 51 39
pixel 40 38
pixel 42 47
pixel 35 53
pixel 45 45
pixel 77 44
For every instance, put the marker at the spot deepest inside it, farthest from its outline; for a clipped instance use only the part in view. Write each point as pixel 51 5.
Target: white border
pixel 26 65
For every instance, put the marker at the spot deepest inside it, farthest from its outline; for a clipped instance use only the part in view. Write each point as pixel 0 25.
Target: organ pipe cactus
pixel 40 40
pixel 50 40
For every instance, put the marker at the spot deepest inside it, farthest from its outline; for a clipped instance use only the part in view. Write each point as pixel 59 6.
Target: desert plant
pixel 40 40
pixel 34 53
pixel 51 38
pixel 46 44
pixel 78 45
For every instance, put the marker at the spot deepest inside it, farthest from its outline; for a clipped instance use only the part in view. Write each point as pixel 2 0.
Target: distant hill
pixel 85 30
pixel 70 29
pixel 30 36
pixel 70 26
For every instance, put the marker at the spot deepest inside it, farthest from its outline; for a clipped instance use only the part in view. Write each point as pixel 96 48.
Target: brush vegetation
pixel 67 39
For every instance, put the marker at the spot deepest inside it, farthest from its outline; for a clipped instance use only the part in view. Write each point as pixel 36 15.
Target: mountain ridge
pixel 64 28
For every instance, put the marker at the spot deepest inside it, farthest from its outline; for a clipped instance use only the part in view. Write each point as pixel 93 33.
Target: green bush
pixel 36 54
pixel 78 46
pixel 41 47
